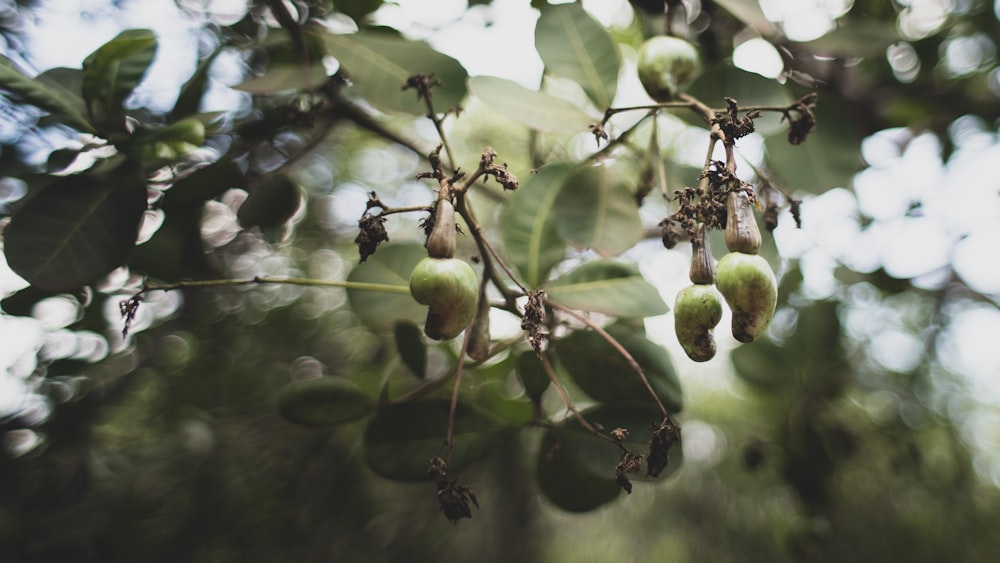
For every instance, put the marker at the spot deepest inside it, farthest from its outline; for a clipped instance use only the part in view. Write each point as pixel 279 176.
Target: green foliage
pixel 111 73
pixel 324 401
pixel 609 287
pixel 572 44
pixel 537 110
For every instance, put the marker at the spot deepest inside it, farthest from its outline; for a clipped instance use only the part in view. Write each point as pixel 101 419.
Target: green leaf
pixel 596 209
pixel 189 98
pixel 156 146
pixel 860 38
pixel 379 65
pixel 532 374
pixel 324 401
pixel 411 347
pixel 285 77
pixel 574 45
pixel 598 457
pixel 205 184
pixel 765 365
pixel 78 229
pixel 111 73
pixel 527 225
pixel 493 397
pixel 565 482
pixel 47 95
pixel 391 265
pixel 604 375
pixel 829 157
pixel 749 12
pixel 358 9
pixel 532 109
pixel 270 204
pixel 609 287
pixel 402 438
pixel 176 250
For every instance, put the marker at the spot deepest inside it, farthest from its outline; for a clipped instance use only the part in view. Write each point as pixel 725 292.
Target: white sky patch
pixel 758 55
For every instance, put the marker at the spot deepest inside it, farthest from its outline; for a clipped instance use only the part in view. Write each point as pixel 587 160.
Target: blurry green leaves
pixel 324 401
pixel 402 437
pixel 390 266
pixel 528 228
pixel 609 287
pixel 270 203
pixel 829 158
pixel 111 73
pixel 63 103
pixel 572 44
pixel 604 375
pixel 77 229
pixel 379 65
pixel 532 109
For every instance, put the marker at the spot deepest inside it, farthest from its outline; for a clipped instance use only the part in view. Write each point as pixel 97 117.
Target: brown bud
pixel 742 233
pixel 702 264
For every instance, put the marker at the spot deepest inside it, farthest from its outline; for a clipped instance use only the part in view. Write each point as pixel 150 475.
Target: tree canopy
pixel 711 283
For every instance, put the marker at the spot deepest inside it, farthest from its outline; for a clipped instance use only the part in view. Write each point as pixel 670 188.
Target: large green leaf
pixel 609 287
pixel 565 482
pixel 574 45
pixel 176 250
pixel 111 73
pixel 596 209
pixel 205 184
pixel 402 438
pixel 390 266
pixel 527 225
pixel 529 108
pixel 324 401
pixel 77 229
pixel 603 374
pixel 47 95
pixel 270 203
pixel 829 157
pixel 379 65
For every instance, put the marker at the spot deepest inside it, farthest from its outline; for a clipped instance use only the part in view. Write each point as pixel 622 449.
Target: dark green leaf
pixel 176 250
pixel 829 157
pixel 357 9
pixel 21 303
pixel 78 229
pixel 532 109
pixel 402 438
pixel 111 73
pixel 860 38
pixel 379 65
pixel 609 287
pixel 749 12
pixel 411 347
pixel 271 203
pixel 566 483
pixel 493 397
pixel 764 364
pixel 603 374
pixel 324 401
pixel 574 45
pixel 532 374
pixel 596 209
pixel 189 98
pixel 390 266
pixel 527 225
pixel 47 95
pixel 205 184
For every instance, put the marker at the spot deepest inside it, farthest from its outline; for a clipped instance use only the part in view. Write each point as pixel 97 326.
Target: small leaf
pixel 189 98
pixel 411 347
pixel 78 229
pixel 609 287
pixel 574 45
pixel 392 266
pixel 536 110
pixel 270 204
pixel 596 209
pixel 604 375
pixel 565 482
pixel 111 73
pixel 47 95
pixel 402 438
pixel 532 374
pixel 527 225
pixel 379 65
pixel 324 401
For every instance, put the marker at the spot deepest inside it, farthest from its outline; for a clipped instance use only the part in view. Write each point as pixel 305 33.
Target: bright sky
pixel 958 221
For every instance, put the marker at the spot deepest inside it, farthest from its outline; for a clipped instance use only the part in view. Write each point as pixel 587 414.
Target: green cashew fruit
pixel 667 65
pixel 748 284
pixel 697 310
pixel 450 288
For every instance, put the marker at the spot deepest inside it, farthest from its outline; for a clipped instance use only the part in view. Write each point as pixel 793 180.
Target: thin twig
pixel 569 403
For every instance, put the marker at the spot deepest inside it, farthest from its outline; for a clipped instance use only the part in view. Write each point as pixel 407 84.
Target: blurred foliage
pixel 254 421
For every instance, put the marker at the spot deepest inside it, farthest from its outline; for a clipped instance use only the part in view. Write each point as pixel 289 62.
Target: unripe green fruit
pixel 450 288
pixel 748 284
pixel 697 310
pixel 667 65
